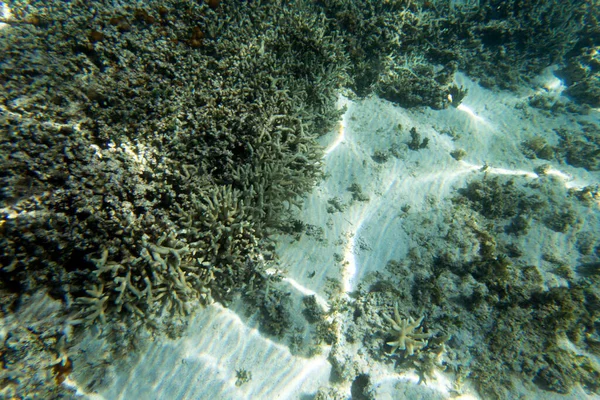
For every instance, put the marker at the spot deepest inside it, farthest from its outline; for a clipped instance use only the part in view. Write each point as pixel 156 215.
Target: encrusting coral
pixel 408 335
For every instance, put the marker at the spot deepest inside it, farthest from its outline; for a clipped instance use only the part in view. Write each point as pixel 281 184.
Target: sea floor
pixel 369 209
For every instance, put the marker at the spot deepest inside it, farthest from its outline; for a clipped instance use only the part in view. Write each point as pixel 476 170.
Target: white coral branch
pixel 409 336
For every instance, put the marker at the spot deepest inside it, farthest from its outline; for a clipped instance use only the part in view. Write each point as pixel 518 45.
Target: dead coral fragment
pixel 408 334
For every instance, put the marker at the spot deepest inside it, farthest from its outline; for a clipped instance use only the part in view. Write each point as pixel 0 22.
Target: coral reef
pixel 498 319
pixel 512 41
pixel 494 197
pixel 580 69
pixel 390 46
pixel 537 147
pixel 149 152
pixel 393 44
pixel 147 159
pixel 581 148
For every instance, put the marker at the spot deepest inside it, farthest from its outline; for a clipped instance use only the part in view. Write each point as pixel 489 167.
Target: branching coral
pixel 222 234
pixel 96 302
pixel 408 335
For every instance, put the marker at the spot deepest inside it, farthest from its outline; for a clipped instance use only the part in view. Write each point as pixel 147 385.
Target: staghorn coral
pixel 133 198
pixel 223 239
pixel 136 196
